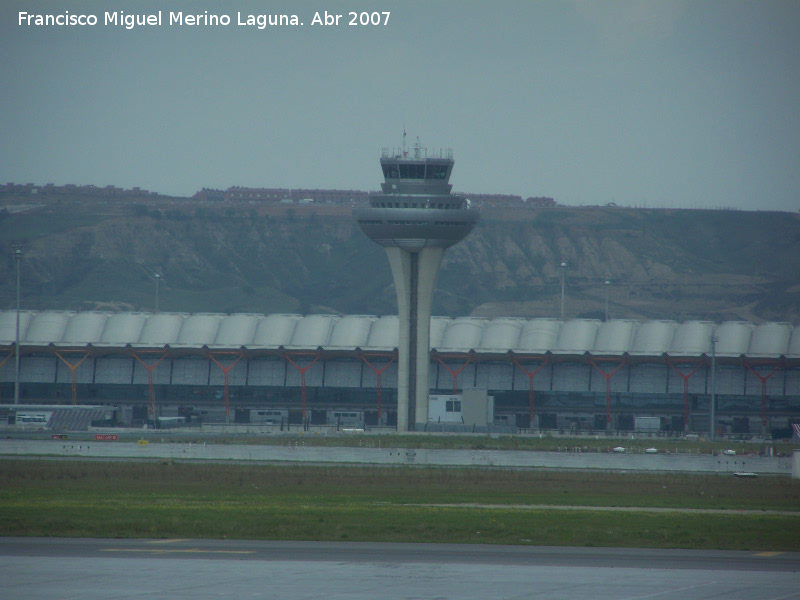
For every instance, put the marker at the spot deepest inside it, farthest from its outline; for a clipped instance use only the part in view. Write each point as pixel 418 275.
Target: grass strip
pixel 409 524
pixel 155 500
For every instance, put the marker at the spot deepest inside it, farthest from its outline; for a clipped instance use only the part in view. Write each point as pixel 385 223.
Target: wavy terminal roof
pixel 501 335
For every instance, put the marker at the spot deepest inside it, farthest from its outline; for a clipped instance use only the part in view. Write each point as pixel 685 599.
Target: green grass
pixel 29 226
pixel 402 504
pixel 600 443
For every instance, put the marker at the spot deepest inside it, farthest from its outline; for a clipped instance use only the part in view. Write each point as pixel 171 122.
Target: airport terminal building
pixel 503 374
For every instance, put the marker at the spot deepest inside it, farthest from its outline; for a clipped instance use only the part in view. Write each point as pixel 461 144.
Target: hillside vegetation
pixel 662 264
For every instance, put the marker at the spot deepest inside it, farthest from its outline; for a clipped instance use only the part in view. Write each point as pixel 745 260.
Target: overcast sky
pixel 662 103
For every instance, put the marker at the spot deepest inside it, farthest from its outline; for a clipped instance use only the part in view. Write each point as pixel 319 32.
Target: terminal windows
pixel 453 406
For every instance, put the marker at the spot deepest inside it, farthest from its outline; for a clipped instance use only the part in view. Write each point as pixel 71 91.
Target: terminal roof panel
pixel 794 344
pixel 313 331
pixel 8 325
pixel 501 334
pixel 692 338
pixel 351 331
pixel 384 333
pixel 162 328
pixel 47 327
pixel 85 328
pixel 275 330
pixel 615 337
pixel 237 330
pixel 121 328
pixel 577 336
pixel 770 339
pixel 732 338
pixel 538 336
pixel 653 338
pixel 462 334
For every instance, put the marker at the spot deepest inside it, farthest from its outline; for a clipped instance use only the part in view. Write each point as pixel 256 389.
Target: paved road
pixel 33 568
pixel 296 452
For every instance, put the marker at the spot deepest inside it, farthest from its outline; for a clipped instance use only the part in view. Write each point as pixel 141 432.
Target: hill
pixel 83 254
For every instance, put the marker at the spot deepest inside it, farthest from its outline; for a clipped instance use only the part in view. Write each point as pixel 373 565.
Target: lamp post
pixel 563 277
pixel 607 284
pixel 713 382
pixel 158 278
pixel 18 260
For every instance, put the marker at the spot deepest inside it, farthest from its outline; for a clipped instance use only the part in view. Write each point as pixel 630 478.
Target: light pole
pixel 713 382
pixel 18 259
pixel 607 284
pixel 563 277
pixel 158 278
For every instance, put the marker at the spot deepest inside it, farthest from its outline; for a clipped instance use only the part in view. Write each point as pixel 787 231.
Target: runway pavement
pixel 33 568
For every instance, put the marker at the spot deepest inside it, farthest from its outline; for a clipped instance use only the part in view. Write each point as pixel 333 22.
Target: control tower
pixel 415 218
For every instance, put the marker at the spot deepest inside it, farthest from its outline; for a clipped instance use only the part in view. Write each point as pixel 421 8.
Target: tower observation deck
pixel 415 218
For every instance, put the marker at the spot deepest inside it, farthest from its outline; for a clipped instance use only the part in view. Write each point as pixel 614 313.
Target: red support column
pixel 763 378
pixel 72 369
pixel 149 369
pixel 456 372
pixel 531 375
pixel 608 377
pixel 225 371
pixel 302 371
pixel 685 377
pixel 379 372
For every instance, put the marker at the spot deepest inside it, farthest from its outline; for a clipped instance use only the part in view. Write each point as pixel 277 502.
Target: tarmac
pixel 36 568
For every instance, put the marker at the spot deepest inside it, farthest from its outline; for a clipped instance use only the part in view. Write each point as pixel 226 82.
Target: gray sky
pixel 664 103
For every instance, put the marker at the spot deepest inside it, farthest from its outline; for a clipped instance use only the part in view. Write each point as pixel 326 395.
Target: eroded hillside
pixel 677 264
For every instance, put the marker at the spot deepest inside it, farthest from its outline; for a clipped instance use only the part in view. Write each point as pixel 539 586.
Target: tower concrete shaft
pixel 414 276
pixel 415 219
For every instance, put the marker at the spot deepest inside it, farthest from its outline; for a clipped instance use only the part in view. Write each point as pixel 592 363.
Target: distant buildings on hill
pixel 296 196
pixel 508 200
pixel 316 196
pixel 245 194
pixel 49 189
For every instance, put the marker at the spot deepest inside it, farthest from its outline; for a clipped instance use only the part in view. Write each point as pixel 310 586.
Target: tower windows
pixel 436 172
pixel 412 171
